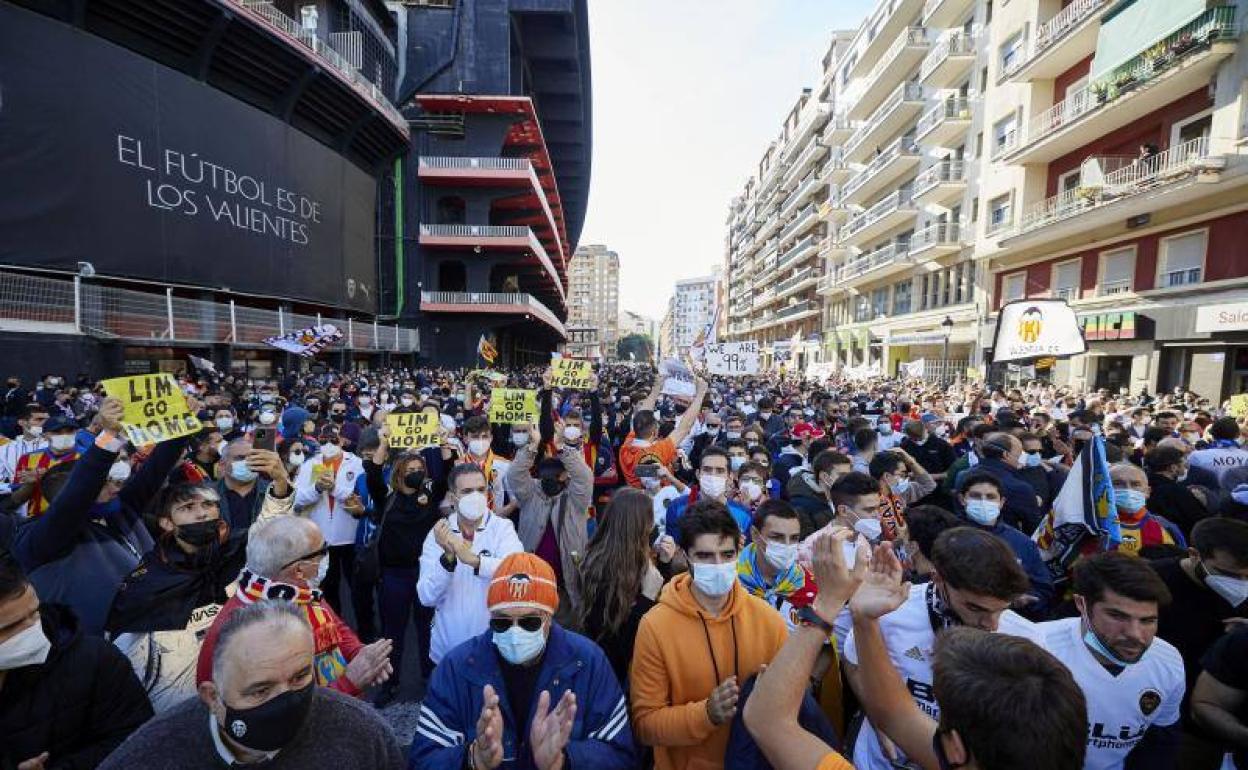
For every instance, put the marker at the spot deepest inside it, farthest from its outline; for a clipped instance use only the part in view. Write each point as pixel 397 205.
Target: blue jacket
pixel 1020 508
pixel 1029 559
pixel 602 737
pixel 676 509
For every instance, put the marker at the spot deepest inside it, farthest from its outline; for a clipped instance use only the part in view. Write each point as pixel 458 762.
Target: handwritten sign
pixel 413 431
pixel 156 409
pixel 570 373
pixel 509 406
pixel 732 358
pixel 677 379
pixel 1239 405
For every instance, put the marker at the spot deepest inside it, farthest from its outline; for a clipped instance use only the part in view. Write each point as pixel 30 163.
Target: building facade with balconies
pixel 498 96
pixel 594 293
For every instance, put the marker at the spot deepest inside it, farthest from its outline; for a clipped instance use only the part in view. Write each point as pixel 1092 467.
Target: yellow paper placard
pixel 156 409
pixel 570 373
pixel 1239 405
pixel 510 406
pixel 413 431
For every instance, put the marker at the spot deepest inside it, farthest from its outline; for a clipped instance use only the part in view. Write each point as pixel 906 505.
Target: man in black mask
pixel 261 703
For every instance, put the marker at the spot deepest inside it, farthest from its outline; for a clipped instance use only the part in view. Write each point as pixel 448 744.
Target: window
pixel 1068 181
pixel 1195 127
pixel 975 209
pixel 879 302
pixel 901 298
pixel 1014 286
pixel 1000 213
pixel 1011 53
pixel 1117 271
pixel 1182 259
pixel 983 79
pixel 1005 133
pixel 1066 279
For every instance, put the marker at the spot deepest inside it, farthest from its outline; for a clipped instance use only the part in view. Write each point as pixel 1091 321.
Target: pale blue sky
pixel 687 94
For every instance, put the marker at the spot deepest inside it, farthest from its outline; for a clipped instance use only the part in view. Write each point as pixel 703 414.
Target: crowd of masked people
pixel 758 572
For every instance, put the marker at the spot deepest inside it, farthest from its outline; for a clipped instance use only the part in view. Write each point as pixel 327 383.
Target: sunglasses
pixel 529 623
pixel 309 556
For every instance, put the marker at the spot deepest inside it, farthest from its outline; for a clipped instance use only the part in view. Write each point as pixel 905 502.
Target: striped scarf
pixel 751 577
pixel 330 663
pixel 41 460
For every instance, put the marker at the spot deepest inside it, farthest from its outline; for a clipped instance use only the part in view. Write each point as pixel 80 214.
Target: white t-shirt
pixel 661 498
pixel 908 635
pixel 1218 460
pixel 1120 708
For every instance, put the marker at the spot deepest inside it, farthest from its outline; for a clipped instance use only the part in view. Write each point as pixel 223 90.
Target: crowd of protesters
pixel 755 572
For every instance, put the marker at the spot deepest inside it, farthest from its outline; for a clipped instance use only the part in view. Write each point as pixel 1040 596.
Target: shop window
pixel 1182 259
pixel 1117 271
pixel 1014 286
pixel 1066 279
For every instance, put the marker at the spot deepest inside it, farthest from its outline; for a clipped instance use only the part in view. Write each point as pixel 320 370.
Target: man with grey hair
pixel 247 479
pixel 286 559
pixel 261 705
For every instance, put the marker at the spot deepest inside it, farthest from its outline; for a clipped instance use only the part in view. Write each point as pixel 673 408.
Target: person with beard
pixel 260 703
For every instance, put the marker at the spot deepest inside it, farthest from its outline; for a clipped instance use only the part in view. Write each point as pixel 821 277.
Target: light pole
pixel 947 325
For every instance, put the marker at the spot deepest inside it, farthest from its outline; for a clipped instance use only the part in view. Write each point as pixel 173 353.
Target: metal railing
pixel 527 302
pixel 267 13
pixel 789 283
pixel 908 91
pixel 944 172
pixel 801 191
pixel 1064 22
pixel 1173 165
pixel 805 306
pixel 910 36
pixel 812 148
pixel 800 249
pixel 885 255
pixel 1183 277
pixel 901 199
pixel 901 146
pixel 819 111
pixel 955 42
pixel 803 218
pixel 838 123
pixel 1212 25
pixel 954 108
pixel 936 234
pixel 39 304
pixel 835 162
pixel 487 164
pixel 1115 287
pixel 476 231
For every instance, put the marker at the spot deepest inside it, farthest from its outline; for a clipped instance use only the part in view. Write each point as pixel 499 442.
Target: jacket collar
pixel 560 661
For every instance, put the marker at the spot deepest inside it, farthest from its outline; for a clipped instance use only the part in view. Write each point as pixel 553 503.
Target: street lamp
pixel 947 325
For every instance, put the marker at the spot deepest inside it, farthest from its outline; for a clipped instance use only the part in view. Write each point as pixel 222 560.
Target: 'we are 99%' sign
pixel 732 358
pixel 156 410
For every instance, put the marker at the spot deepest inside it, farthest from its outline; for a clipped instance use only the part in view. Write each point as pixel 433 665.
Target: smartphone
pixel 648 471
pixel 265 437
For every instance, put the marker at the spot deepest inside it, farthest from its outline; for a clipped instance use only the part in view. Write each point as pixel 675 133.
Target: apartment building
pixel 692 306
pixel 636 323
pixel 594 292
pixel 980 152
pixel 666 342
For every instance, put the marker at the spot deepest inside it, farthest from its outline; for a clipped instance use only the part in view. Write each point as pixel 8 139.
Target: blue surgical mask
pixel 1095 644
pixel 735 463
pixel 1032 459
pixel 901 487
pixel 1129 500
pixel 983 512
pixel 519 646
pixel 715 579
pixel 241 473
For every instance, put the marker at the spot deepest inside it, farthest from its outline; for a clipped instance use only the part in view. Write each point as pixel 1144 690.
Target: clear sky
pixel 687 94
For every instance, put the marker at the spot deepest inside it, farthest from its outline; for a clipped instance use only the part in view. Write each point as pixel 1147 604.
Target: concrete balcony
pixel 493 237
pixel 941 184
pixel 802 279
pixel 801 222
pixel 810 123
pixel 900 157
pixel 771 177
pixel 490 303
pixel 874 265
pixel 881 30
pixel 805 162
pixel 794 312
pixel 769 227
pixel 838 129
pixel 938 14
pixel 936 240
pixel 1143 84
pixel 835 170
pixel 804 192
pixel 1129 187
pixel 888 214
pixel 1061 41
pixel 949 61
pixel 799 251
pixel 906 51
pixel 897 111
pixel 946 124
pixel 834 209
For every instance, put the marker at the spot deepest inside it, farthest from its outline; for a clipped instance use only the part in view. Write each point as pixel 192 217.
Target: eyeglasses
pixel 528 623
pixel 323 550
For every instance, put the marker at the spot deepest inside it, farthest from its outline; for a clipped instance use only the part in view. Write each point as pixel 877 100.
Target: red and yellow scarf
pixel 329 660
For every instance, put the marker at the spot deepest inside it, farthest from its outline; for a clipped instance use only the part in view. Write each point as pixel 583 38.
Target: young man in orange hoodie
pixel 705 637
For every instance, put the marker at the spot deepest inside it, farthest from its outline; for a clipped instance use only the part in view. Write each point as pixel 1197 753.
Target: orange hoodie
pixel 679 650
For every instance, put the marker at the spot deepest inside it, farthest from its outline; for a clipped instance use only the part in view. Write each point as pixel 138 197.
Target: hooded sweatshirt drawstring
pixel 736 663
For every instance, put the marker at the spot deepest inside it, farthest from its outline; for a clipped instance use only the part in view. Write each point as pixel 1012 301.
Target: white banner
pixel 1035 328
pixel 677 379
pixel 732 358
pixel 820 371
pixel 914 370
pixel 864 372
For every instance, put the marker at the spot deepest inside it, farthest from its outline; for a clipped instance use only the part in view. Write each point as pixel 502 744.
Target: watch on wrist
pixel 807 616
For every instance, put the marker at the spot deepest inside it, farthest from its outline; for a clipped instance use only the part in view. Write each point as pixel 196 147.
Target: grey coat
pixel 569 509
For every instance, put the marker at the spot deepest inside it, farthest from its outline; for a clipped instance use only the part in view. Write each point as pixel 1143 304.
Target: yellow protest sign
pixel 413 431
pixel 570 373
pixel 1239 405
pixel 156 409
pixel 509 406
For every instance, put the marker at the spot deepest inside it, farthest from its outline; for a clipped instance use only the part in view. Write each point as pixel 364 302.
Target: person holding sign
pixel 644 441
pixel 478 437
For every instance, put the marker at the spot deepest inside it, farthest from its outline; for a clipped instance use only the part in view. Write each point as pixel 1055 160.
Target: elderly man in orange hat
pixel 527 690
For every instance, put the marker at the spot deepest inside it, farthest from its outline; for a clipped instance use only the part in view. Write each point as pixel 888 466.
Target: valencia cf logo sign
pixel 238 728
pixel 1149 701
pixel 518 585
pixel 1030 324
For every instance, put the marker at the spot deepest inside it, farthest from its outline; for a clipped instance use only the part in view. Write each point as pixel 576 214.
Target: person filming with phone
pixel 248 477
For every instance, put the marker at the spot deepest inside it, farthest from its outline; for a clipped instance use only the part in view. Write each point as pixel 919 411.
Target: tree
pixel 637 344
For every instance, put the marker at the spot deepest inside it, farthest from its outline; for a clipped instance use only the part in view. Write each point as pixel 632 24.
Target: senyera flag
pixel 307 342
pixel 1037 328
pixel 487 350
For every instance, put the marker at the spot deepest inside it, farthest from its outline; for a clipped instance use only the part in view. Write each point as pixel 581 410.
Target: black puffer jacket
pixel 78 706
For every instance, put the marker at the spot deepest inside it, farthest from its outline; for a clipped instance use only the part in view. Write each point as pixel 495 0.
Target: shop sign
pixel 1103 327
pixel 1222 318
pixel 917 338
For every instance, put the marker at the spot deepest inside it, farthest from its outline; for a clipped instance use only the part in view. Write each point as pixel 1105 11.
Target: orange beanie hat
pixel 523 580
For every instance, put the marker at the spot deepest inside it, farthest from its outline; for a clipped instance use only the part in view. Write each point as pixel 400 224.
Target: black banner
pixel 110 158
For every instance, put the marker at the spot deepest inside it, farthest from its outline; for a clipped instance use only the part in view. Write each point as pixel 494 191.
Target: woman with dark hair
pixel 620 578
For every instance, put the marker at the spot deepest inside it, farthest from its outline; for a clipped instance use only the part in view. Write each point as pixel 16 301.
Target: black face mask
pixel 552 486
pixel 414 479
pixel 200 533
pixel 273 724
pixel 338 416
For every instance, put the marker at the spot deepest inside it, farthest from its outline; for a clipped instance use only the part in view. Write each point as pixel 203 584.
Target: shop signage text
pixel 1222 318
pixel 1103 327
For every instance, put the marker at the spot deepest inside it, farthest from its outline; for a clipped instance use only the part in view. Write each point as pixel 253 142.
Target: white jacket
pixel 459 596
pixel 337 526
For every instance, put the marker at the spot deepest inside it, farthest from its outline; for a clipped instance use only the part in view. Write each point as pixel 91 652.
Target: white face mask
pixel 25 648
pixel 752 489
pixel 35 431
pixel 407 400
pixel 472 506
pixel 780 555
pixel 322 569
pixel 224 423
pixel 296 459
pixel 715 579
pixel 571 433
pixel 330 450
pixel 267 418
pixel 713 486
pixel 519 439
pixel 1234 590
pixel 478 446
pixel 62 442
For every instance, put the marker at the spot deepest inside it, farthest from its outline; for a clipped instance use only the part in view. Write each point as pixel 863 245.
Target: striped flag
pixel 1084 508
pixel 307 342
pixel 486 350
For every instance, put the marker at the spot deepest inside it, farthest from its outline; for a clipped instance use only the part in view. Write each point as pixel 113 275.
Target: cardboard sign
pixel 509 406
pixel 732 358
pixel 413 431
pixel 570 373
pixel 156 409
pixel 1239 405
pixel 677 379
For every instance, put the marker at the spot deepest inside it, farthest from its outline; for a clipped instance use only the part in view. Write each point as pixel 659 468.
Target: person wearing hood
pixel 808 492
pixel 684 693
pixel 292 420
pixel 553 516
pixel 67 699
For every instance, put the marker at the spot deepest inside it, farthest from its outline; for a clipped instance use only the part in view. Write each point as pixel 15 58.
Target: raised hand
pixel 836 580
pixel 110 414
pixel 550 731
pixel 723 701
pixel 487 748
pixel 883 590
